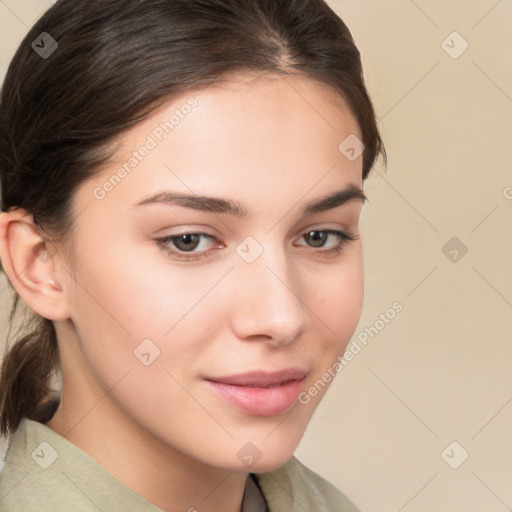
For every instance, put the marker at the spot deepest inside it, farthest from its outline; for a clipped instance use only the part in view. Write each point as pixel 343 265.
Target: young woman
pixel 181 194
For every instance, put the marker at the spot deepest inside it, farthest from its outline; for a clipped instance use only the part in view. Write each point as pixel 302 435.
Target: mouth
pixel 260 393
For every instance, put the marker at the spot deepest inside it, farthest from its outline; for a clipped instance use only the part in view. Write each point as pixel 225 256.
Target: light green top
pixel 44 472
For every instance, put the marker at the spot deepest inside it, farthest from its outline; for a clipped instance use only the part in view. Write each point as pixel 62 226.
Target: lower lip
pixel 260 401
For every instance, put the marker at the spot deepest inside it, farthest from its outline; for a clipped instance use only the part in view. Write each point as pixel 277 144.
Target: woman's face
pixel 185 331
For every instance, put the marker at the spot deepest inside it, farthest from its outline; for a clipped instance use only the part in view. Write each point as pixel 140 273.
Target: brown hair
pixel 116 61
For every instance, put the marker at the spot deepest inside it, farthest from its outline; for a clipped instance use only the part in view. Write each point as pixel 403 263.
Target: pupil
pixel 186 240
pixel 318 236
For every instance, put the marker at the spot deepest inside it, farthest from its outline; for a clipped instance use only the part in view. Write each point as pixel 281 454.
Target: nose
pixel 268 305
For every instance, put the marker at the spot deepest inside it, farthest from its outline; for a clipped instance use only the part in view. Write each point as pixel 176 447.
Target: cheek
pixel 340 301
pixel 337 313
pixel 126 291
pixel 121 302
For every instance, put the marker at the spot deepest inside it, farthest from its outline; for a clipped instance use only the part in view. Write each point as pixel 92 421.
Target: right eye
pixel 184 245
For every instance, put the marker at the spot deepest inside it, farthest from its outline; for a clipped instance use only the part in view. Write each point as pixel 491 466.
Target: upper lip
pixel 261 379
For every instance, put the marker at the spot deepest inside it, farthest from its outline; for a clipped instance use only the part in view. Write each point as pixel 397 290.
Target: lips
pixel 260 393
pixel 261 379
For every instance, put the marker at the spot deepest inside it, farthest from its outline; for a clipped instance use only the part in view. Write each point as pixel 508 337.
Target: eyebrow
pixel 237 209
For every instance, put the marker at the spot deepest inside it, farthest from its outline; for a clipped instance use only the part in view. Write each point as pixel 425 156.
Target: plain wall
pixel 439 372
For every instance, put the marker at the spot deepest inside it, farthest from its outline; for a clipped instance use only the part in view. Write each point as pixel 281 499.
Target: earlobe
pixel 30 264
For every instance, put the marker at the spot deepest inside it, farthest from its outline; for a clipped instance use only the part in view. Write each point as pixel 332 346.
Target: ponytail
pixel 27 372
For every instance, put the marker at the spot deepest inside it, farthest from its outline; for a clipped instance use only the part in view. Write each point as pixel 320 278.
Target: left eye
pixel 188 241
pixel 318 238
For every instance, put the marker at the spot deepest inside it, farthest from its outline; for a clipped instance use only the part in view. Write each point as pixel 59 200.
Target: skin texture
pixel 271 143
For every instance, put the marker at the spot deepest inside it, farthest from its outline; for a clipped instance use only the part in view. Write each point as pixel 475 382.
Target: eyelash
pixel 344 237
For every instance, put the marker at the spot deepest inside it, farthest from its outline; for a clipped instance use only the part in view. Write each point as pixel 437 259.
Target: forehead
pixel 246 135
pixel 258 101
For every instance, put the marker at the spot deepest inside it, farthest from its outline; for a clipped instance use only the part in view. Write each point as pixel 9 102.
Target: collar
pixel 253 500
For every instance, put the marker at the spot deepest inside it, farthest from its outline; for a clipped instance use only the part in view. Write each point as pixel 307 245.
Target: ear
pixel 31 264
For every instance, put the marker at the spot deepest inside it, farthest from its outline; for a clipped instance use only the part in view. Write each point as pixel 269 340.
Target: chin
pixel 263 465
pixel 266 454
pixel 270 464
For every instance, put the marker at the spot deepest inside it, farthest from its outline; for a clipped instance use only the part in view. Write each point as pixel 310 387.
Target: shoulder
pixel 294 487
pixel 44 472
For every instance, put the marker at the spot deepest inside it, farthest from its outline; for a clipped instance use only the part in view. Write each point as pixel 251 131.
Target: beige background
pixel 440 371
